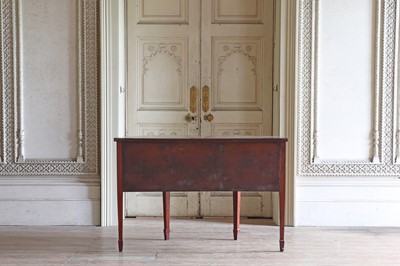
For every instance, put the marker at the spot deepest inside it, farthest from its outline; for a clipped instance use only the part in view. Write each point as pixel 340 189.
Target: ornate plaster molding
pixel 314 78
pixel 87 161
pixel 1 89
pixel 236 48
pixel 163 49
pixel 382 162
pixel 378 67
pixel 396 111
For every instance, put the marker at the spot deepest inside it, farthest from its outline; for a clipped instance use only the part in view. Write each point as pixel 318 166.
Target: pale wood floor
pixel 198 242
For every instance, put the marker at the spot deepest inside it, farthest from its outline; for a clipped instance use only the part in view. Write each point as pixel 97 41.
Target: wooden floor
pixel 198 242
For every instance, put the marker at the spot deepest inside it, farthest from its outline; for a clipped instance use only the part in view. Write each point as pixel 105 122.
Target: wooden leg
pixel 282 189
pixel 120 221
pixel 282 220
pixel 166 209
pixel 120 197
pixel 236 214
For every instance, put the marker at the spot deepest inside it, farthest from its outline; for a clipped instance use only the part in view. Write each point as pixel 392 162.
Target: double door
pixel 199 68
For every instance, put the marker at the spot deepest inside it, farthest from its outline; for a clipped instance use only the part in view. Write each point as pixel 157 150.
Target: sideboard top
pixel 202 139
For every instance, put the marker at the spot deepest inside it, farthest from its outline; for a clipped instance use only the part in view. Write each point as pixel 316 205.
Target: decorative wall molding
pixel 81 111
pixel 390 7
pixel 314 78
pixel 396 111
pixel 87 161
pixel 378 67
pixel 19 143
pixel 1 89
pixel 382 162
pixel 8 82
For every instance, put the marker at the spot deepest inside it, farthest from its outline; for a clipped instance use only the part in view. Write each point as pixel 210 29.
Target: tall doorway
pixel 199 68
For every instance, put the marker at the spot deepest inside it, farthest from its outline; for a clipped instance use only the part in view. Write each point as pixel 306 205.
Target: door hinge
pixel 275 88
pixel 121 89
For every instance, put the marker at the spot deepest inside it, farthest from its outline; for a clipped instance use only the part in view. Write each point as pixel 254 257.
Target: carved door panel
pixel 200 67
pixel 237 80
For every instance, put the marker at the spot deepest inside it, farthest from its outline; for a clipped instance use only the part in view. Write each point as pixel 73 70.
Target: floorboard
pixel 206 241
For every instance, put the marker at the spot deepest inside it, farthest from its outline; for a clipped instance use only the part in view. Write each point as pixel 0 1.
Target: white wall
pixel 347 113
pixel 49 151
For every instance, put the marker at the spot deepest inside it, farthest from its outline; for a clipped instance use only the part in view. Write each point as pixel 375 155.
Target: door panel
pixel 163 11
pixel 162 69
pixel 236 73
pixel 200 67
pixel 253 204
pixel 237 11
pixel 236 130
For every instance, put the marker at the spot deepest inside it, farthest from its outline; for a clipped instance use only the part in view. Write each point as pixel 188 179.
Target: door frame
pixel 113 100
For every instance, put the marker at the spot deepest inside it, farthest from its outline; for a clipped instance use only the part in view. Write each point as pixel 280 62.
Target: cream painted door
pixel 199 67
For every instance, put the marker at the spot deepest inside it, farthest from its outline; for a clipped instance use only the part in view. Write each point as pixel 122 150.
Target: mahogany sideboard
pixel 168 164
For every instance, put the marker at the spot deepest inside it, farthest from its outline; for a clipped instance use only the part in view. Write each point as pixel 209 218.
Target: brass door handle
pixel 209 117
pixel 205 98
pixel 189 118
pixel 193 99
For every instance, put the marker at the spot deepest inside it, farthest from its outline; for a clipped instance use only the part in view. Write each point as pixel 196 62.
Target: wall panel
pixel 50 74
pixel 50 112
pixel 346 79
pixel 49 78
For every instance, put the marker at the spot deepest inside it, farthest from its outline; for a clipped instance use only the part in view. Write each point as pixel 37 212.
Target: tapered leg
pixel 120 221
pixel 120 197
pixel 282 189
pixel 166 209
pixel 282 221
pixel 236 214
